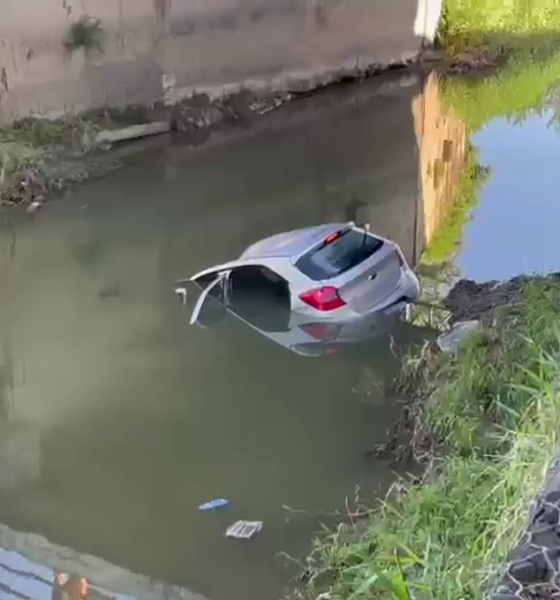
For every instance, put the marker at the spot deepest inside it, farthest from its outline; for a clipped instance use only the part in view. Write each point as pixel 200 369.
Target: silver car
pixel 328 283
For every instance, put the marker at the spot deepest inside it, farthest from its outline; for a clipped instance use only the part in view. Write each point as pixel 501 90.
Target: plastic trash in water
pixel 244 530
pixel 217 503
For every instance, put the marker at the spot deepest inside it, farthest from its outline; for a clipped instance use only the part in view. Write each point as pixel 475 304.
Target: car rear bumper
pixel 407 290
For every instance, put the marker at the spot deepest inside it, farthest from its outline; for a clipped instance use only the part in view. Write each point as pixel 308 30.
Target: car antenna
pixel 366 231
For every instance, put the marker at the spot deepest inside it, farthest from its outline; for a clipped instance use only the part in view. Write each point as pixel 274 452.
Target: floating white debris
pixel 34 206
pixel 450 340
pixel 244 530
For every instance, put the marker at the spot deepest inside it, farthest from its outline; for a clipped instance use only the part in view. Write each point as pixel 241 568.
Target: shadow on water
pixel 135 418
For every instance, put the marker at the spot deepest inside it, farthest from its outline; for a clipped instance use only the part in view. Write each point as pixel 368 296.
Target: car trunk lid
pixel 372 281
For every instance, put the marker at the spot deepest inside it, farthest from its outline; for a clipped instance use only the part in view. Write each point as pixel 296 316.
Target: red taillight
pixel 324 298
pixel 332 237
pixel 321 331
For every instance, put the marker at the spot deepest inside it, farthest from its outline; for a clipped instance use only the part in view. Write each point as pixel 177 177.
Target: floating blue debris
pixel 217 503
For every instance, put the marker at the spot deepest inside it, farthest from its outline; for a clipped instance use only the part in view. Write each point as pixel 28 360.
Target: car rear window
pixel 331 259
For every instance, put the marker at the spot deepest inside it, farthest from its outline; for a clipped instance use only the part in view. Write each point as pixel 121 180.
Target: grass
pixel 25 146
pixel 447 236
pixel 40 133
pixel 524 33
pixel 86 34
pixel 499 23
pixel 493 415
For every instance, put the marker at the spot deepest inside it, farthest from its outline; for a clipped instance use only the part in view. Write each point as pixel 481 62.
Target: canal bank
pixel 77 78
pixel 484 422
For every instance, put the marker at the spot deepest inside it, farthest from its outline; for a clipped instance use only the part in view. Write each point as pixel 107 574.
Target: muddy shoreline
pixel 193 121
pixel 408 440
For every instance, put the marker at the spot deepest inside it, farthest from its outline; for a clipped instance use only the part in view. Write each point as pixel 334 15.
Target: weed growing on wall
pixel 85 34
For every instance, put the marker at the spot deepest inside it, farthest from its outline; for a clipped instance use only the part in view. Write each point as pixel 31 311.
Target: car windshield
pixel 333 258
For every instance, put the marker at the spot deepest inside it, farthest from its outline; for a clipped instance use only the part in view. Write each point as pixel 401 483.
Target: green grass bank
pixel 27 147
pixel 520 25
pixel 486 422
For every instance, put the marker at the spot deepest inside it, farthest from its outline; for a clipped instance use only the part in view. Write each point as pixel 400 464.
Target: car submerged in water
pixel 309 290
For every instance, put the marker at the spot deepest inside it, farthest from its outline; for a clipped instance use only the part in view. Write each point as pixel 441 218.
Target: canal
pixel 120 419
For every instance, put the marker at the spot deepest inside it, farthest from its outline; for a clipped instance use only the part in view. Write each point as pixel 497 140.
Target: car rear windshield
pixel 331 259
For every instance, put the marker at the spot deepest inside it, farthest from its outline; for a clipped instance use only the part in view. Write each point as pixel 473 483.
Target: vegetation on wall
pixel 27 147
pixel 85 34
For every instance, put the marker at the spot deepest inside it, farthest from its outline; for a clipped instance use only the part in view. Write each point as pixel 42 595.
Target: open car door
pixel 232 285
pixel 211 304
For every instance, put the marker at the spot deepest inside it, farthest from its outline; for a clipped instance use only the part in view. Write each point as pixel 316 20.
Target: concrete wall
pixel 207 45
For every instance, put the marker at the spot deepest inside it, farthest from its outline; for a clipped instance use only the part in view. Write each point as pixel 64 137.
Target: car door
pixel 214 287
pixel 212 302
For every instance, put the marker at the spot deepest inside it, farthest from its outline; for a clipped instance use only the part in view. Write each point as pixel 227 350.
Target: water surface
pixel 122 419
pixel 513 230
pixel 119 419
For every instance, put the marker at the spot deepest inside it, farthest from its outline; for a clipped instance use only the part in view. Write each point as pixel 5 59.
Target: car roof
pixel 291 243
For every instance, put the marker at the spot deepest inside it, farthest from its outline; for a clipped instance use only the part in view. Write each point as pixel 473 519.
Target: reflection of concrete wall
pixel 20 455
pixel 198 44
pixel 442 140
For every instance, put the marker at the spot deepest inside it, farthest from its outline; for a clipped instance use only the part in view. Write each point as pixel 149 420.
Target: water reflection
pixel 32 568
pixel 514 228
pixel 443 144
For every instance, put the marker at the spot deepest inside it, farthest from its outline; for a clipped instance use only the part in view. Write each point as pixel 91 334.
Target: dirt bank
pixel 469 300
pixel 497 305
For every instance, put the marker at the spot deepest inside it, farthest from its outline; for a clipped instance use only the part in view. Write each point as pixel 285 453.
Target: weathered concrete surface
pixel 152 48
